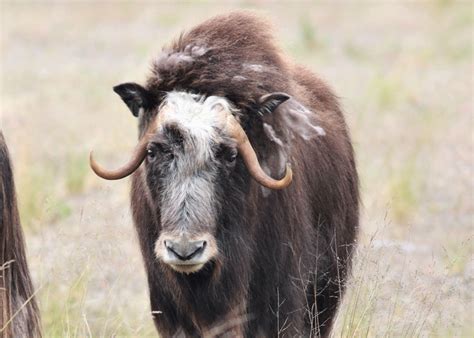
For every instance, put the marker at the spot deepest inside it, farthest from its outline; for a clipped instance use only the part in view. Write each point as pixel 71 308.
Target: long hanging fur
pixel 19 313
pixel 287 253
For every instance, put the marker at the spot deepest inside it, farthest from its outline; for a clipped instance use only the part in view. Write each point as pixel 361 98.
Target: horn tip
pixel 91 159
pixel 289 175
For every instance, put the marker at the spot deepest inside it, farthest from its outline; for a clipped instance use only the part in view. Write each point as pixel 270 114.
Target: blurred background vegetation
pixel 403 72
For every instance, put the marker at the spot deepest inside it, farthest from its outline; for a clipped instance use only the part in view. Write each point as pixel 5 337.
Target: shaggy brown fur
pixel 284 254
pixel 19 314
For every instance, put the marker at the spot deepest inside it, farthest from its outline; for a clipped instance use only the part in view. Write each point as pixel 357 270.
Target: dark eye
pixel 227 154
pixel 151 154
pixel 231 157
pixel 157 149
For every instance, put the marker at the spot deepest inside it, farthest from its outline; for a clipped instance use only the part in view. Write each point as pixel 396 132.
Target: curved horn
pixel 251 161
pixel 138 155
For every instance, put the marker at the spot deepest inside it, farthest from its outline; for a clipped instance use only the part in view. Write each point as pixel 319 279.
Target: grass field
pixel 404 73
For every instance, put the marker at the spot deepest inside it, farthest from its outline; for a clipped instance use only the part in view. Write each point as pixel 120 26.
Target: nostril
pixel 175 252
pixel 197 249
pixel 185 250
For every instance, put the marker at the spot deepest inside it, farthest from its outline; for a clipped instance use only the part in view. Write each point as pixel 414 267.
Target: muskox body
pixel 282 255
pixel 19 314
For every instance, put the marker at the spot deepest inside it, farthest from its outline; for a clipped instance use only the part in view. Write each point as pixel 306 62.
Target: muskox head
pixel 189 151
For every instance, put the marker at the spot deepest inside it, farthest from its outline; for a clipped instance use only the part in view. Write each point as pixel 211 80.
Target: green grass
pixel 44 188
pixel 457 256
pixel 359 309
pixel 404 185
pixel 387 91
pixel 39 196
pixel 62 309
pixel 77 169
pixel 67 314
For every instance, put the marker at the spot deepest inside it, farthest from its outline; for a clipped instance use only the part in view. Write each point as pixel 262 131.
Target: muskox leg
pixel 325 295
pixel 328 294
pixel 168 321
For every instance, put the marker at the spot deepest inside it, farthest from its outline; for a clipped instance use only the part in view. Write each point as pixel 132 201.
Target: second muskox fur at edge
pixel 19 312
pixel 283 255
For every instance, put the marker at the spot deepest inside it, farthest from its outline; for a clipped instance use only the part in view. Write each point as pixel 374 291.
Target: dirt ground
pixel 404 73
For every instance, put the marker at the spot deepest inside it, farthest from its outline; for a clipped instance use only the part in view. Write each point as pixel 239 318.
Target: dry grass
pixel 404 74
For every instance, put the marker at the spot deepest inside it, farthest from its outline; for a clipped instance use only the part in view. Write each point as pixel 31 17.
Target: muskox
pixel 19 314
pixel 244 188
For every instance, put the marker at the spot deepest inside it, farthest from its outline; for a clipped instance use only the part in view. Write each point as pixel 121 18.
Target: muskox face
pixel 189 151
pixel 188 156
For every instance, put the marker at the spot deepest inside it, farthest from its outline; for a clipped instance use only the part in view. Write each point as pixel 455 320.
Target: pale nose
pixel 185 250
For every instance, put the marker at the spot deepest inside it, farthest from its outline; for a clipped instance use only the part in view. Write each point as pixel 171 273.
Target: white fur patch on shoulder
pixel 172 58
pixel 254 67
pixel 239 78
pixel 271 134
pixel 195 50
pixel 302 122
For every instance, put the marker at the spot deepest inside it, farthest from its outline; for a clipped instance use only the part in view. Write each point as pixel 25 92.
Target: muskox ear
pixel 135 97
pixel 269 102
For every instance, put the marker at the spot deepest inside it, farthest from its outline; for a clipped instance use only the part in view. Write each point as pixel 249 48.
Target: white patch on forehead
pixel 197 113
pixel 199 116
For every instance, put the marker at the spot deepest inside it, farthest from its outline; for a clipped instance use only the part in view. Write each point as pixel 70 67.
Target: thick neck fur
pixel 220 287
pixel 276 245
